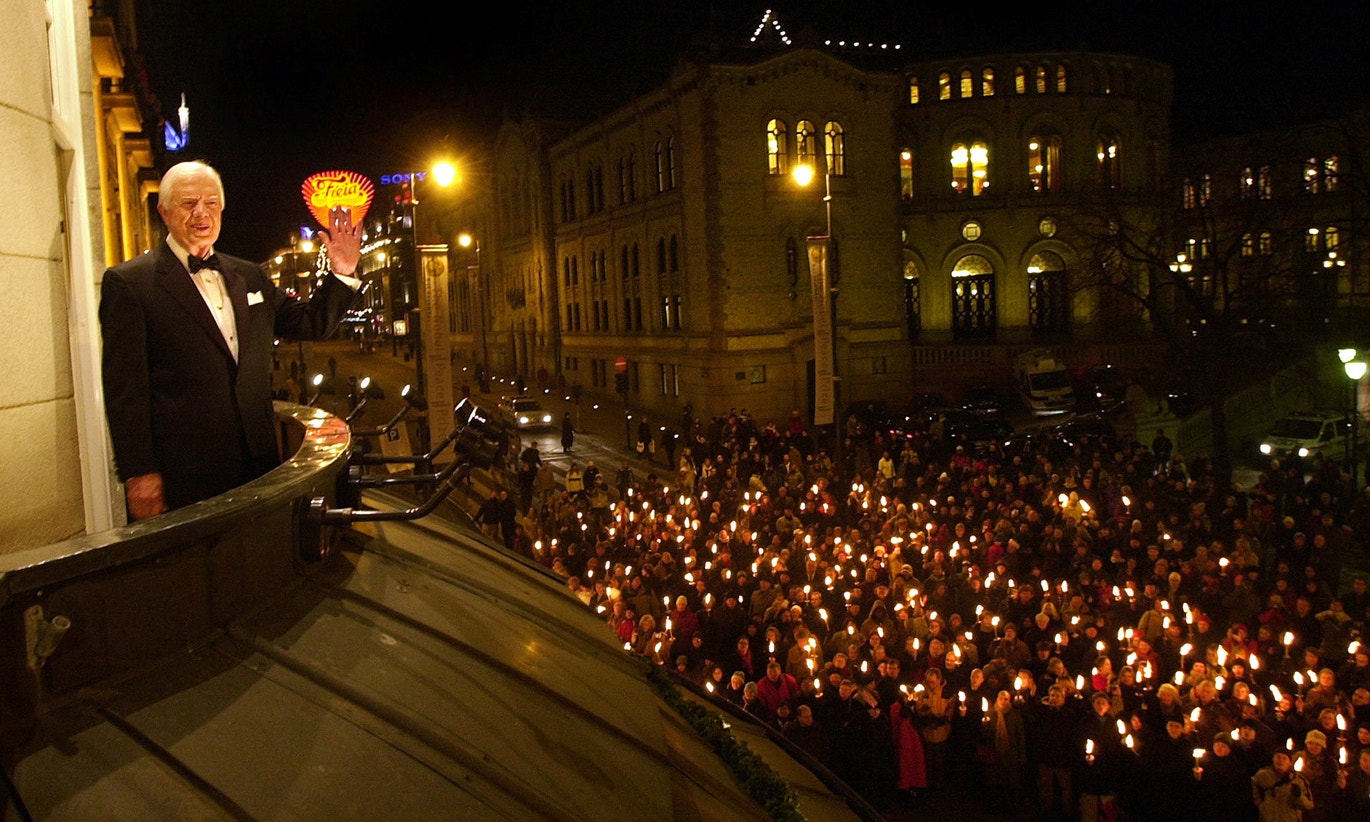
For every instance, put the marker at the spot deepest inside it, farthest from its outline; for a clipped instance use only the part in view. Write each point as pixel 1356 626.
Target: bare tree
pixel 1231 263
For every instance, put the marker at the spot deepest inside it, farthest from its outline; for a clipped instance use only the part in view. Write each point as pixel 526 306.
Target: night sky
pixel 278 90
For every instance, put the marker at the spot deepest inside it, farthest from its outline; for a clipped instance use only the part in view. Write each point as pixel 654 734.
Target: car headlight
pixel 1303 452
pixel 1265 448
pixel 523 420
pixel 546 418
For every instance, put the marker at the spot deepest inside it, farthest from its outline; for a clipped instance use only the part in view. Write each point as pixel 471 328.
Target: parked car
pixel 525 413
pixel 976 431
pixel 1091 433
pixel 985 400
pixel 1180 402
pixel 1101 386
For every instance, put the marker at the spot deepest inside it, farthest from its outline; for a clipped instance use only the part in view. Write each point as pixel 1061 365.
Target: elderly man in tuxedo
pixel 188 336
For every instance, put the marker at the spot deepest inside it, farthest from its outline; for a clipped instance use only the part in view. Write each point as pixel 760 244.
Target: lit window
pixel 987 82
pixel 1329 173
pixel 913 91
pixel 806 142
pixel 1044 162
pixel 944 86
pixel 835 147
pixel 1311 179
pixel 967 84
pixel 1331 238
pixel 1188 193
pixel 1205 189
pixel 906 172
pixel 1109 154
pixel 1263 184
pixel 970 168
pixel 1310 240
pixel 1061 79
pixel 1020 80
pixel 1267 243
pixel 777 147
pixel 1039 80
pixel 1248 245
pixel 1247 183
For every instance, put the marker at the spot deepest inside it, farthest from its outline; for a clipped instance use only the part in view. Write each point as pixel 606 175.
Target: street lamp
pixel 444 174
pixel 1355 370
pixel 467 240
pixel 824 272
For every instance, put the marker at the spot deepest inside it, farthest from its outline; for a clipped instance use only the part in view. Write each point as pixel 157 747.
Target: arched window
pixel 944 86
pixel 973 305
pixel 967 84
pixel 913 91
pixel 1044 162
pixel 1110 156
pixel 670 162
pixel 1039 79
pixel 1061 78
pixel 777 148
pixel 660 167
pixel 1048 295
pixel 806 144
pixel 970 168
pixel 835 148
pixel 987 82
pixel 906 172
pixel 1020 80
pixel 632 175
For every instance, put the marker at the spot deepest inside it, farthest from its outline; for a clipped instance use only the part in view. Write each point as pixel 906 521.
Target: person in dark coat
pixel 809 736
pixel 646 447
pixel 1167 767
pixel 1224 789
pixel 1102 758
pixel 568 433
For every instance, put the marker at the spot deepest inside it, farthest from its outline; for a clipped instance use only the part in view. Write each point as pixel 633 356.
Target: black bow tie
pixel 195 263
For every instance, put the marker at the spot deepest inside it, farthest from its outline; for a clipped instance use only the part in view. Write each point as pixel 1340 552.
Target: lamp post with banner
pixel 824 274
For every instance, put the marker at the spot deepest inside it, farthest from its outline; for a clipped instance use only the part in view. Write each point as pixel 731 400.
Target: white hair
pixel 179 173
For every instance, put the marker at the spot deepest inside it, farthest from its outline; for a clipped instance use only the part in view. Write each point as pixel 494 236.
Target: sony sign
pixel 405 177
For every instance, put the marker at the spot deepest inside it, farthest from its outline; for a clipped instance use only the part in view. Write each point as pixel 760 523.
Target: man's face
pixel 194 213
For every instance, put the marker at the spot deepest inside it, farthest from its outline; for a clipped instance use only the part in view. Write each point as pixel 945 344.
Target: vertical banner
pixel 823 388
pixel 437 343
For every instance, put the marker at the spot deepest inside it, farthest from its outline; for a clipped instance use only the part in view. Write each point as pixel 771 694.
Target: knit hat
pixel 1316 736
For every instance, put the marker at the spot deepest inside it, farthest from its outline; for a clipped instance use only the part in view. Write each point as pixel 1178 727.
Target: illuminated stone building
pixel 671 233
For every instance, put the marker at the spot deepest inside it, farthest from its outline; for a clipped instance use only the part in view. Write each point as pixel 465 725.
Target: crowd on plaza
pixel 1061 632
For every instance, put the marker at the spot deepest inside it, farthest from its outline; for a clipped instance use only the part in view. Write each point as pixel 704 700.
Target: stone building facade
pixel 667 238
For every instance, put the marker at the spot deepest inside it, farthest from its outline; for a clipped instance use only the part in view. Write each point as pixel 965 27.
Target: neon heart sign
pixel 328 190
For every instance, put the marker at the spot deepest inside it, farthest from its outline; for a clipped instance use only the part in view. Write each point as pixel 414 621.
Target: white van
pixel 1314 436
pixel 1044 383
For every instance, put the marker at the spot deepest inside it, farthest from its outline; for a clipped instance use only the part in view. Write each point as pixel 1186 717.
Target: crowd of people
pixel 1053 631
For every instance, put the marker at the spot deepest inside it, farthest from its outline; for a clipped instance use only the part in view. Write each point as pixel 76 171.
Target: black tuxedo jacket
pixel 176 401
